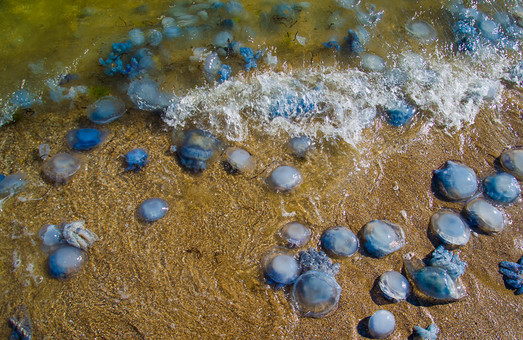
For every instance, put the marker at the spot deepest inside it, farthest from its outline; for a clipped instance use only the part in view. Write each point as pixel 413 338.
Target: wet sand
pixel 196 272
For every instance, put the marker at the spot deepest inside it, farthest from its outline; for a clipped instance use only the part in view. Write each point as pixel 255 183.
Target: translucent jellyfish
pixel 240 160
pixel 399 112
pixel 24 100
pixel 137 37
pixel 196 149
pixel 490 30
pixel 483 215
pixel 455 181
pixel 61 167
pixel 153 209
pixel 502 187
pixel 51 236
pixel 12 184
pixel 144 93
pixel 316 294
pixel 212 66
pixel 284 178
pixel 280 268
pixel 136 159
pixel 300 146
pixel 154 37
pixel 382 324
pixel 339 241
pixel 381 238
pixel 222 39
pixel 105 110
pixel 512 162
pixel 295 234
pixel 450 227
pixel 421 30
pixel 394 286
pixel 440 281
pixel 373 63
pixel 85 139
pixel 65 261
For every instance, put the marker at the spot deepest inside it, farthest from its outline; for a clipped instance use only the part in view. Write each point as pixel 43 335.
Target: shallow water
pixel 196 272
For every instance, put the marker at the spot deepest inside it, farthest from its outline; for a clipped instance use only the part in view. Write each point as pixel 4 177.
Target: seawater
pixel 196 273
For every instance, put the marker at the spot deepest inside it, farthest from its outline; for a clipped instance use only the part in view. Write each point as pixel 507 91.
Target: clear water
pixel 196 272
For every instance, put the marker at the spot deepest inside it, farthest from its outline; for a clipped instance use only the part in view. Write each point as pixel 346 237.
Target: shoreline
pixel 196 272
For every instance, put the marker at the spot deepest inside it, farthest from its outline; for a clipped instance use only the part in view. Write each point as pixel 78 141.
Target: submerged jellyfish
pixel 316 294
pixel 300 146
pixel 65 261
pixel 382 324
pixel 105 110
pixel 85 139
pixel 280 268
pixel 339 241
pixel 21 324
pixel 12 184
pixel 421 30
pixel 197 149
pixel 512 162
pixel 24 100
pixel 136 159
pixel 399 112
pixel 381 238
pixel 483 215
pixel 394 286
pixel 372 62
pixel 440 279
pixel 52 236
pixel 295 234
pixel 144 93
pixel 284 178
pixel 153 209
pixel 61 167
pixel 450 227
pixel 137 37
pixel 455 181
pixel 502 188
pixel 240 160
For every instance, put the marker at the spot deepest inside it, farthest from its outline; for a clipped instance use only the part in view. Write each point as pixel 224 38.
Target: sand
pixel 196 272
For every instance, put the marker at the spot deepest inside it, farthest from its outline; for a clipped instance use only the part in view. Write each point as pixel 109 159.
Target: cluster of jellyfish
pixel 483 209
